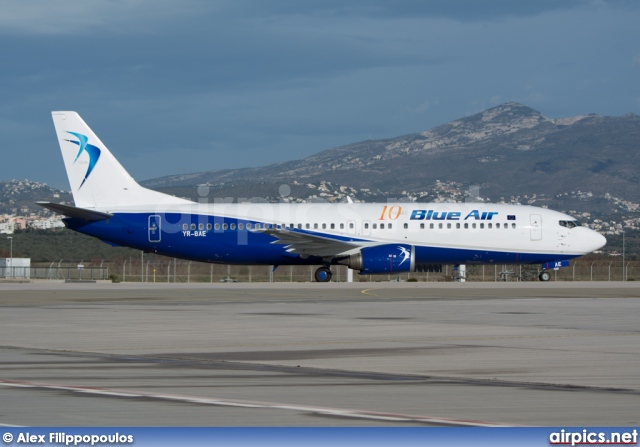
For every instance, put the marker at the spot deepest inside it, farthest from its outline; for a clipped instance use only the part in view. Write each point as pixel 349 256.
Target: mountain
pixel 19 197
pixel 509 150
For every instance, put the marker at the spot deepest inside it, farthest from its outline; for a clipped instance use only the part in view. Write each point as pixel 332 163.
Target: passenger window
pixel 382 226
pixel 257 225
pixel 490 225
pixel 200 227
pixel 366 225
pixel 315 226
pixel 208 226
pixel 458 225
pixel 351 225
pixel 389 226
pixel 324 226
pixel 440 226
pixel 513 226
pixel 375 226
pixel 193 226
pixel 406 225
pixel 449 226
pixel 482 225
pixel 248 225
pixel 185 226
pixel 217 226
pixel 473 225
pixel 342 226
pixel 333 226
pixel 431 226
pixel 497 225
pixel 233 226
pixel 224 226
pixel 240 226
pixel 422 226
pixel 308 226
pixel 466 225
pixel 299 226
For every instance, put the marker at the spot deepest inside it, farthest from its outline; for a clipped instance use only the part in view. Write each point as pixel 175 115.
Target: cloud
pixel 71 17
pixel 421 108
pixel 158 16
pixel 461 10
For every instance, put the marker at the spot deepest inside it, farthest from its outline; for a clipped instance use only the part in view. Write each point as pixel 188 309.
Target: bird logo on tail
pixel 90 149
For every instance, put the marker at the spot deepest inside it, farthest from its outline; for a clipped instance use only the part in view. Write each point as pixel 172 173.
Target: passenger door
pixel 536 227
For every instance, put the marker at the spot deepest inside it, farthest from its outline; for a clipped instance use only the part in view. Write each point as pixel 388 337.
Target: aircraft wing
pixel 309 244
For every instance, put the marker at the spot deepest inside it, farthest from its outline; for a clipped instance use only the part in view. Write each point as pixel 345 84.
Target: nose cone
pixel 591 240
pixel 598 241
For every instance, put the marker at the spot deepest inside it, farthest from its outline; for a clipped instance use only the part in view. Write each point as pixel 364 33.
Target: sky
pixel 175 87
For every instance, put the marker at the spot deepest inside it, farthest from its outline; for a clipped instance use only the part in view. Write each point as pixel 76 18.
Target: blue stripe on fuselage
pixel 255 247
pixel 220 246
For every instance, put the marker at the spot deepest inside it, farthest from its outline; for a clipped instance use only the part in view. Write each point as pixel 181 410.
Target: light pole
pixel 11 252
pixel 624 278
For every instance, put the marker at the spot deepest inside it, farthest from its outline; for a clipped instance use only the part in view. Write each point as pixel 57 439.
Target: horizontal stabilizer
pixel 75 212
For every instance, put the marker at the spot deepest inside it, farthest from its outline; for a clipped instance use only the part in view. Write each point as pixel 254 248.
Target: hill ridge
pixel 508 149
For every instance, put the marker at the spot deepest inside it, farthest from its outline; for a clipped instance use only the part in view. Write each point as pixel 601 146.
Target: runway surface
pixel 382 354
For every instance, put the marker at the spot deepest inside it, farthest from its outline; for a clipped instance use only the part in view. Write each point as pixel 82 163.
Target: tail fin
pixel 97 179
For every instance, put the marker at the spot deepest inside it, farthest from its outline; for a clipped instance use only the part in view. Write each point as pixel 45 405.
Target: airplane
pixel 372 238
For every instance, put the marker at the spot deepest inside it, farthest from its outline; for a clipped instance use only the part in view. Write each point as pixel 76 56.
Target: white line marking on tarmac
pixel 352 413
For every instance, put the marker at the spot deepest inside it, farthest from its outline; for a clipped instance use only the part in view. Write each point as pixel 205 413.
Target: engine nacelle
pixel 390 258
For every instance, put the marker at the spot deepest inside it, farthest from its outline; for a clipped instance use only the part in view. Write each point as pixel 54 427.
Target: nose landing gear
pixel 544 276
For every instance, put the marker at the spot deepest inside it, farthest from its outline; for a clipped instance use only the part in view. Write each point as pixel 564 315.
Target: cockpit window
pixel 569 223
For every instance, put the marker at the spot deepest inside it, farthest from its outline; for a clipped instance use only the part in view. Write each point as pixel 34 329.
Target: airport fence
pixel 163 270
pixel 66 273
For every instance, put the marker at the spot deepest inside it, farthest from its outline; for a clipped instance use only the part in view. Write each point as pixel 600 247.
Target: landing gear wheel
pixel 323 274
pixel 544 276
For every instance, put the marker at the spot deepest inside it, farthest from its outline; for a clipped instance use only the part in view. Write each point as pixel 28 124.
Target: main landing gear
pixel 323 274
pixel 544 276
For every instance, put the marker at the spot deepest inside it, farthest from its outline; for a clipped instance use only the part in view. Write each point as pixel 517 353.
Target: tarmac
pixel 308 354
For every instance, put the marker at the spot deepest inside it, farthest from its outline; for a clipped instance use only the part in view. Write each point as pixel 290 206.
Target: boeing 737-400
pixel 372 238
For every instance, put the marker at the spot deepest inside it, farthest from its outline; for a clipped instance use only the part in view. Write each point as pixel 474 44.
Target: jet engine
pixel 389 258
